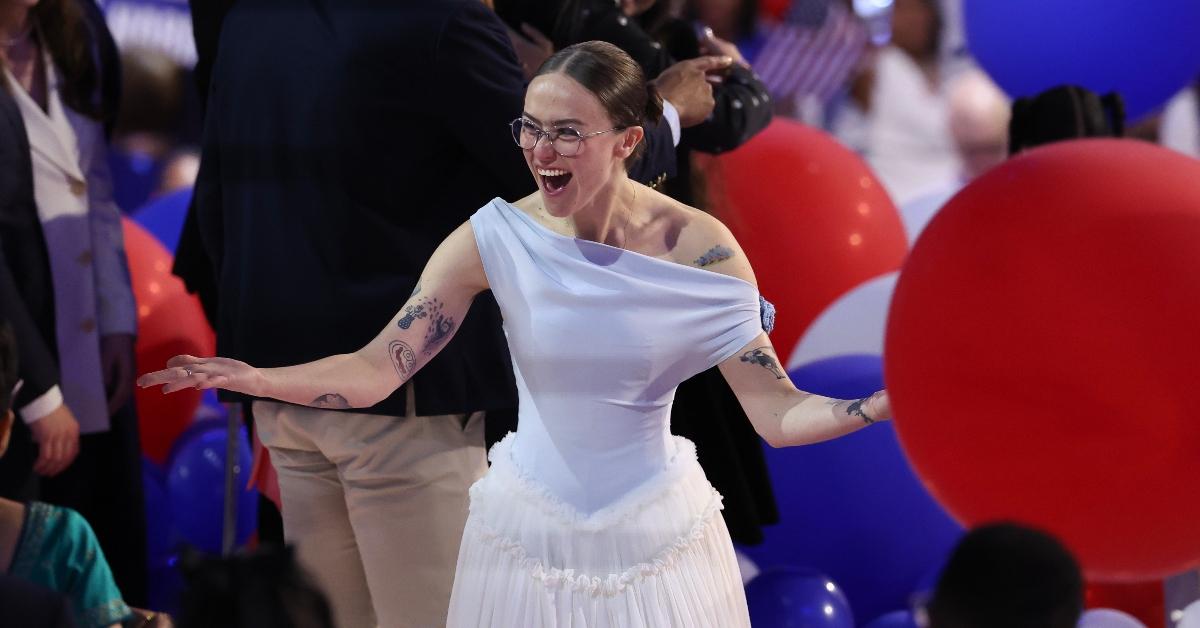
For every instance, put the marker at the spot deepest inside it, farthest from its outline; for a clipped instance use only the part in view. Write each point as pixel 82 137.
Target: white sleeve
pixel 37 409
pixel 671 114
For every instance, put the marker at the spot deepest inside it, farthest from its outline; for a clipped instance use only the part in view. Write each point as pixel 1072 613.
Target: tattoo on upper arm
pixel 716 254
pixel 412 313
pixel 440 327
pixel 761 357
pixel 331 400
pixel 403 358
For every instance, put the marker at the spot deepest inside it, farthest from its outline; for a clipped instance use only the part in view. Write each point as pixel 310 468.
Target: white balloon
pixel 853 324
pixel 1190 617
pixel 1108 618
pixel 917 212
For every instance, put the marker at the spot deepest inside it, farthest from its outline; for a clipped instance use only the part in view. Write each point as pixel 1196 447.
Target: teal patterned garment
pixel 59 551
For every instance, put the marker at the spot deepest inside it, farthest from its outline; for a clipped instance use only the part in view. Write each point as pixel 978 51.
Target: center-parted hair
pixel 614 78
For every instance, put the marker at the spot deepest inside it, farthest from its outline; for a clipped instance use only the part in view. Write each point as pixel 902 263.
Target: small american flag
pixel 813 52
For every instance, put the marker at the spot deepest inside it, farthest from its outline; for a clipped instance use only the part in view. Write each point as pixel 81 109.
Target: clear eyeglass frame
pixel 567 142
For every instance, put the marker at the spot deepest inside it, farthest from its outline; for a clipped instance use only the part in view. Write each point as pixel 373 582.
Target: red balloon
pixel 812 218
pixel 1042 353
pixel 170 322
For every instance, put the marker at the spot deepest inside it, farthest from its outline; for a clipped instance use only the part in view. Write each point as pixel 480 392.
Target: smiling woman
pixel 592 513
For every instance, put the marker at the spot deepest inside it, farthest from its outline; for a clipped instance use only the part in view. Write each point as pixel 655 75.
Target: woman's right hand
pixel 186 371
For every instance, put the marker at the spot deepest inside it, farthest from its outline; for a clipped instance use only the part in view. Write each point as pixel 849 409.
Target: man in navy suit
pixel 344 139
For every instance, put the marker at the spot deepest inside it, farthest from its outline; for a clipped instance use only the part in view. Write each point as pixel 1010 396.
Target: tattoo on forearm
pixel 716 254
pixel 403 358
pixel 857 408
pixel 331 400
pixel 440 327
pixel 760 357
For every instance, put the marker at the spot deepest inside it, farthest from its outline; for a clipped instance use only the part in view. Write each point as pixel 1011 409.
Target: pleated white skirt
pixel 659 556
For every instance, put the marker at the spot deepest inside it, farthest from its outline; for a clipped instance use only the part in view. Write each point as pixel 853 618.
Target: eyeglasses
pixel 566 141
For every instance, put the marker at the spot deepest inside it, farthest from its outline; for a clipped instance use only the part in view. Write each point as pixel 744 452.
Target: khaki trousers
pixel 375 506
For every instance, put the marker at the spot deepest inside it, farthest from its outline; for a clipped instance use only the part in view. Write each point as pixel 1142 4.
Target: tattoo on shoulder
pixel 403 358
pixel 761 357
pixel 857 408
pixel 716 254
pixel 331 400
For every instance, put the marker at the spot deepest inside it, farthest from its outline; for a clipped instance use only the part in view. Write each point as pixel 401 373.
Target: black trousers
pixel 104 484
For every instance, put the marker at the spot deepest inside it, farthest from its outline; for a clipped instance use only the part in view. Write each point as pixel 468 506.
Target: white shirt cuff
pixel 672 116
pixel 42 406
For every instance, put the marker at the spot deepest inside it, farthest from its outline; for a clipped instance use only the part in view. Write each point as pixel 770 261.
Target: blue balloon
pixel 1144 49
pixel 797 598
pixel 894 619
pixel 852 507
pixel 164 216
pixel 196 485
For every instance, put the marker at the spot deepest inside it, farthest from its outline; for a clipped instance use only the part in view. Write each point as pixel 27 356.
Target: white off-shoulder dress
pixel 592 513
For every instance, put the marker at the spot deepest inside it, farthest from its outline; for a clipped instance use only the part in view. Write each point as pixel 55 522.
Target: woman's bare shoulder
pixel 705 242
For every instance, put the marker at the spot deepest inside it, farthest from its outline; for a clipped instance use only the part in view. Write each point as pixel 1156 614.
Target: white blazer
pixel 82 226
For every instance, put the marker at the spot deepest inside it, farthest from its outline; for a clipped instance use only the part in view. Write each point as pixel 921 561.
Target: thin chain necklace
pixel 628 218
pixel 541 208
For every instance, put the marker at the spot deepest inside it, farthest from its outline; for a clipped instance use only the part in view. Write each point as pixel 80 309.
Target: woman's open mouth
pixel 554 180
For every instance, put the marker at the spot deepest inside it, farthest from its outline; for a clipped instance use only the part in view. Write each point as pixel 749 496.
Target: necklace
pixel 9 43
pixel 628 219
pixel 541 209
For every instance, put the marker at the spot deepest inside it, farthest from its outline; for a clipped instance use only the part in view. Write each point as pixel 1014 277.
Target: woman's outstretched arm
pixel 427 321
pixel 785 416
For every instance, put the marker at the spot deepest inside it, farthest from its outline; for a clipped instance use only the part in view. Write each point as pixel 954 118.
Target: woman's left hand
pixel 878 407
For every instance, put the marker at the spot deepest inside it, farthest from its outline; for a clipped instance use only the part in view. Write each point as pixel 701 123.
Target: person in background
pixel 979 117
pixel 148 127
pixel 51 546
pixel 264 588
pixel 1063 113
pixel 907 135
pixel 62 241
pixel 1003 575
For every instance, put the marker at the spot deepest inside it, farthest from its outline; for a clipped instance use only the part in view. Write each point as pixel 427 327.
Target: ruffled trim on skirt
pixel 658 556
pixel 539 496
pixel 610 584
